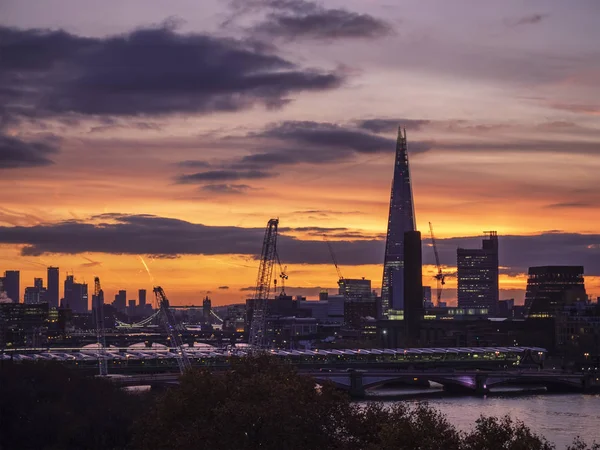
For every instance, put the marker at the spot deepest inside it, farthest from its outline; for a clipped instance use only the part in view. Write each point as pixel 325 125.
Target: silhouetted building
pixel 12 285
pixel 131 308
pixel 478 275
pixel 355 289
pixel 36 293
pixel 120 302
pixel 413 285
pixel 550 288
pixel 506 307
pixel 142 298
pixel 401 220
pixel 52 291
pixel 76 296
pixel 355 311
pixel 427 303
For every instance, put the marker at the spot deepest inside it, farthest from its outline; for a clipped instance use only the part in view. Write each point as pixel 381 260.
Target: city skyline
pixel 173 186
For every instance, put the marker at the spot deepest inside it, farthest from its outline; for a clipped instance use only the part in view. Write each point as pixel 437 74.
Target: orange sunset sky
pixel 150 142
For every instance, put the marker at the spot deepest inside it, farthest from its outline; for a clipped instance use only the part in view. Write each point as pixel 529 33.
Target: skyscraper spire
pixel 401 219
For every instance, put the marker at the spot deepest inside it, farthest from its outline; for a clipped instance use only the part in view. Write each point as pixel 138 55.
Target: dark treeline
pixel 260 404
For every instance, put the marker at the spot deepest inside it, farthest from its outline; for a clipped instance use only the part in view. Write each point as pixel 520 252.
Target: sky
pixel 150 142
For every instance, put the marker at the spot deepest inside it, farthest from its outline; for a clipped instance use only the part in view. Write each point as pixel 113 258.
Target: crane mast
pixel 168 321
pixel 439 276
pixel 334 259
pixel 100 333
pixel 258 329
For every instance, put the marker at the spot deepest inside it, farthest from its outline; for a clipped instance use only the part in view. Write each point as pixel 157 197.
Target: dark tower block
pixel 478 275
pixel 52 294
pixel 413 286
pixel 401 220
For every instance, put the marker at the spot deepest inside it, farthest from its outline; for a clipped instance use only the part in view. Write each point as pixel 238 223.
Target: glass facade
pixel 401 220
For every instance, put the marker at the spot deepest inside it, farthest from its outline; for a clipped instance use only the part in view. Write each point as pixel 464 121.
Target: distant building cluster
pixel 557 314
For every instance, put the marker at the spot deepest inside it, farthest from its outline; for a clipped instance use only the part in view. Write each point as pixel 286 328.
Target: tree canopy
pixel 259 404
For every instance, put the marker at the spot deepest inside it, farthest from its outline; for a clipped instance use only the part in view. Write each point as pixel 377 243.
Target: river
pixel 557 417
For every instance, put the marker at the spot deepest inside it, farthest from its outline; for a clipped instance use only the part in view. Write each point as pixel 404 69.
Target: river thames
pixel 557 417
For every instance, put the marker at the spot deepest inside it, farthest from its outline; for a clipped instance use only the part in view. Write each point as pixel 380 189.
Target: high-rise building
pixel 478 275
pixel 35 294
pixel 413 285
pixel 12 285
pixel 550 288
pixel 355 288
pixel 401 220
pixel 142 298
pixel 52 292
pixel 76 295
pixel 120 302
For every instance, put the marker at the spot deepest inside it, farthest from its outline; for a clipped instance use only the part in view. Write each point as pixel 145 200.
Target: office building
pixel 52 291
pixel 131 307
pixel 12 285
pixel 478 275
pixel 120 302
pixel 401 220
pixel 413 285
pixel 76 296
pixel 551 288
pixel 355 289
pixel 142 298
pixel 35 294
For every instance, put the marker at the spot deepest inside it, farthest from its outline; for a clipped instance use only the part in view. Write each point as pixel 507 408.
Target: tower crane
pixel 282 274
pixel 100 333
pixel 341 280
pixel 258 329
pixel 168 321
pixel 439 276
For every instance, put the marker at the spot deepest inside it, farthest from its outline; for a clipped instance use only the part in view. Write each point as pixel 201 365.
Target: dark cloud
pixel 226 188
pixel 151 235
pixel 518 253
pixel 301 19
pixel 148 71
pixel 222 175
pixel 531 19
pixel 297 142
pixel 223 287
pixel 391 125
pixel 16 153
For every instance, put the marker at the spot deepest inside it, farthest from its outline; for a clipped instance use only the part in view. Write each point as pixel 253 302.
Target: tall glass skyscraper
pixel 401 220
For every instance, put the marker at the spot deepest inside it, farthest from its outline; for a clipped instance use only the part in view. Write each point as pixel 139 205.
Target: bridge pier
pixel 357 388
pixel 481 387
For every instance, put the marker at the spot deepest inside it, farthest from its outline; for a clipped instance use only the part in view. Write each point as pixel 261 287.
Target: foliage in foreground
pixel 258 405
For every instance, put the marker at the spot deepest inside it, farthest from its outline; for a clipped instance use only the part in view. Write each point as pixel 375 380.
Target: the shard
pixel 401 220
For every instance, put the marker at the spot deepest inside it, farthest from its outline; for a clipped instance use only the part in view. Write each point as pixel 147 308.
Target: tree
pixel 47 406
pixel 258 404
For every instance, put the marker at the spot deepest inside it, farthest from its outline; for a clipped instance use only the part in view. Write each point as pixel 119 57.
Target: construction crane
pixel 334 259
pixel 168 321
pixel 258 329
pixel 100 333
pixel 282 274
pixel 439 276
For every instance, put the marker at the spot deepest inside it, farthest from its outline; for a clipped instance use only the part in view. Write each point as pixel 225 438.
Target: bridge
pixel 358 382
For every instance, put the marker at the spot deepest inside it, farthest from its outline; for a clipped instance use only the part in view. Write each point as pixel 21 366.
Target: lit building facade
pixel 401 220
pixel 550 288
pixel 478 275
